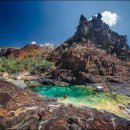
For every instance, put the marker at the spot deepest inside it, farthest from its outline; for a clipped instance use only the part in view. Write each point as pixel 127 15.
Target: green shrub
pixel 32 64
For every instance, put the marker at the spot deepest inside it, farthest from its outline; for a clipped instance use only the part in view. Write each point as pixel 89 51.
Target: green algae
pixel 86 96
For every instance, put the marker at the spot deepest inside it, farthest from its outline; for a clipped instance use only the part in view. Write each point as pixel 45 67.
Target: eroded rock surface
pixel 96 33
pixel 22 109
pixel 81 64
pixel 94 54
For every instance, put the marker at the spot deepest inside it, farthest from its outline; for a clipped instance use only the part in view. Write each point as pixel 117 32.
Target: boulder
pixel 19 83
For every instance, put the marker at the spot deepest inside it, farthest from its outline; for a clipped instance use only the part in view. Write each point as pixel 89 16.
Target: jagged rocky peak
pixel 86 28
pixel 83 27
pixel 99 16
pixel 99 34
pixel 83 19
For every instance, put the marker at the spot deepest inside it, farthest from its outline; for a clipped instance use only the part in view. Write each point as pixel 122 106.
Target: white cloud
pixel 33 42
pixel 109 18
pixel 47 44
pixel 52 45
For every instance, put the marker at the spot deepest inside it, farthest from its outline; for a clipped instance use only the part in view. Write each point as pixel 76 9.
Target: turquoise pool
pixel 58 91
pixel 86 96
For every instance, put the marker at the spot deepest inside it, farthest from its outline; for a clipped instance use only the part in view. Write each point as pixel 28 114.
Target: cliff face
pixel 23 110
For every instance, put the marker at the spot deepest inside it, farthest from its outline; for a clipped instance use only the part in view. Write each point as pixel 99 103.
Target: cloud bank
pixel 109 18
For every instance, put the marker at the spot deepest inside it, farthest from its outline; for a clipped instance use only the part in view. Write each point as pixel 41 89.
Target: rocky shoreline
pixel 22 109
pixel 27 80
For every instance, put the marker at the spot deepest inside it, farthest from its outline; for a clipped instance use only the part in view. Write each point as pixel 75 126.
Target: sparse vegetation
pixel 32 64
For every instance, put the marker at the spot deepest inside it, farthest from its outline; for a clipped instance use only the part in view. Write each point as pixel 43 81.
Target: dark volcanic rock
pixel 96 33
pixel 81 64
pixel 101 36
pixel 93 54
pixel 27 111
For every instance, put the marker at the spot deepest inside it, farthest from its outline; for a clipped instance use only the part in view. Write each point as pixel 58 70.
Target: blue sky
pixel 54 22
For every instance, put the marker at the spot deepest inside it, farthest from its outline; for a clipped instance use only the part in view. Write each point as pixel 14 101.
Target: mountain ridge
pixel 27 50
pixel 96 33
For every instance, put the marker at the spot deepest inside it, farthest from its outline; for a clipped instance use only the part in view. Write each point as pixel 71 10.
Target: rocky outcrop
pixel 96 33
pixel 83 64
pixel 23 110
pixel 94 54
pixel 5 51
pixel 30 50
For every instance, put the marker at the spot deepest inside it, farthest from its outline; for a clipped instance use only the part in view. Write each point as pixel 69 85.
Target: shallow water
pixel 57 91
pixel 86 96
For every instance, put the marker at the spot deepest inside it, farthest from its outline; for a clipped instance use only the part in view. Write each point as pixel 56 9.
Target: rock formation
pixel 5 51
pixel 80 64
pixel 100 36
pixel 96 33
pixel 24 110
pixel 28 50
pixel 95 53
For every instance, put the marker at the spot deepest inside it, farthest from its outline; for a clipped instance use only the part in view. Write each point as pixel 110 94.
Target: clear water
pixel 86 96
pixel 57 91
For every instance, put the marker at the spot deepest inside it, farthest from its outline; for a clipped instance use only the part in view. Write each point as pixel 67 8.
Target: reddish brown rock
pixel 94 53
pixel 81 64
pixel 28 50
pixel 26 110
pixel 96 33
pixel 31 50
